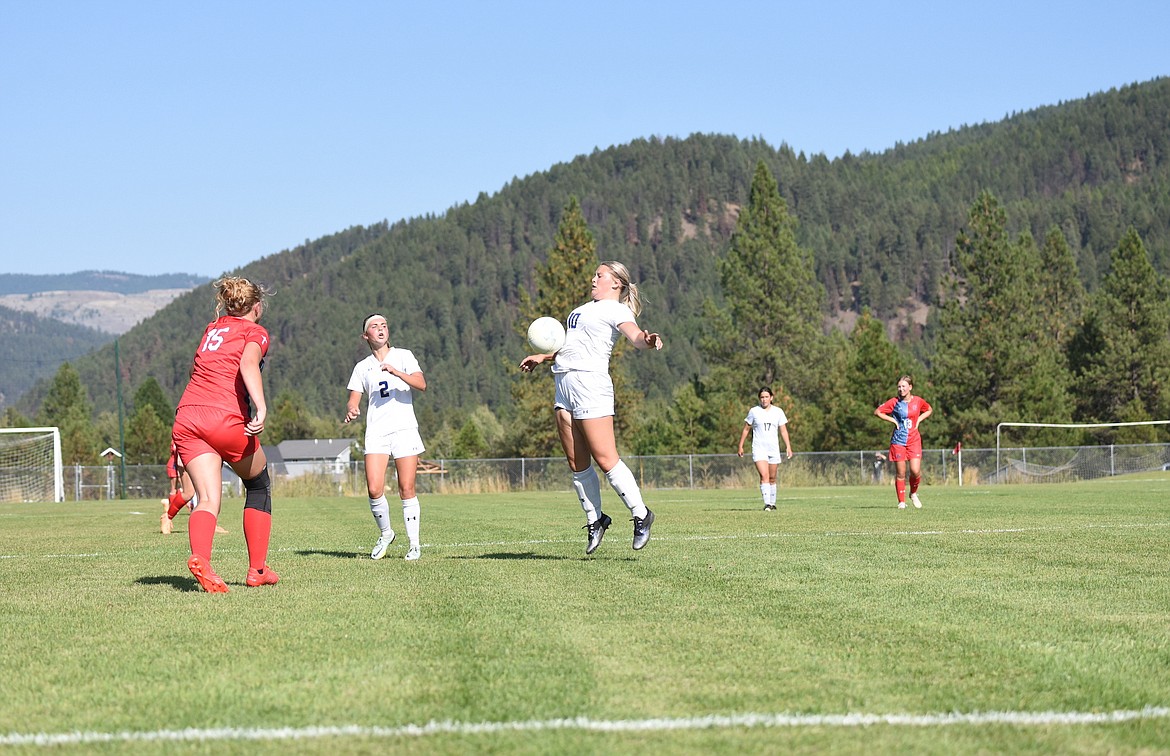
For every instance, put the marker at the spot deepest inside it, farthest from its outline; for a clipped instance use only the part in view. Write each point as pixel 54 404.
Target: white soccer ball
pixel 546 335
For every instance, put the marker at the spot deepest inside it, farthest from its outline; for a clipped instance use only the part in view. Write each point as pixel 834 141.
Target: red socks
pixel 914 481
pixel 177 503
pixel 201 532
pixel 257 528
pixel 900 489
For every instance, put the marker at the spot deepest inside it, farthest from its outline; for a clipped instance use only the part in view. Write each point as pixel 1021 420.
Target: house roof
pixel 314 448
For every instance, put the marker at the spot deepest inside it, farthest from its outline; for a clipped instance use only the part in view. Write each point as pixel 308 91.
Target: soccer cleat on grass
pixel 597 532
pixel 261 577
pixel 642 529
pixel 917 503
pixel 164 524
pixel 413 553
pixel 380 547
pixel 207 578
pixel 769 507
pixel 901 505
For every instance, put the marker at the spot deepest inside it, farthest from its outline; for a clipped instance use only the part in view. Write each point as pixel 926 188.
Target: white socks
pixel 588 487
pixel 764 489
pixel 772 494
pixel 410 512
pixel 626 487
pixel 381 512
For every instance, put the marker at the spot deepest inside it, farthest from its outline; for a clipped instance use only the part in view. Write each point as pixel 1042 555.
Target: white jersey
pixel 590 335
pixel 765 425
pixel 390 407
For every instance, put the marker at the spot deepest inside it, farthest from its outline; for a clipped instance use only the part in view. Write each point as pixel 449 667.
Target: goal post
pixel 1000 426
pixel 30 465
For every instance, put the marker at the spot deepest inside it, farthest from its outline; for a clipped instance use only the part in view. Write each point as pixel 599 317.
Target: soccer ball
pixel 546 335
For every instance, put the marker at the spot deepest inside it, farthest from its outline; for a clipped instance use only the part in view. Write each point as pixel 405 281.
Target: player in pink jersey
pixel 906 412
pixel 220 417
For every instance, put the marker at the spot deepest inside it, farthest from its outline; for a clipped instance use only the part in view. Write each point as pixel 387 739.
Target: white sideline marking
pixel 714 721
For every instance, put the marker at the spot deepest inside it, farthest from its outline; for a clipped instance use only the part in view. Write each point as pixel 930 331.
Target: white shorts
pixel 401 443
pixel 584 394
pixel 769 454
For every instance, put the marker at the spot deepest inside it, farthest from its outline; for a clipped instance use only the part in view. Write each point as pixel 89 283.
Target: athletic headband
pixel 366 322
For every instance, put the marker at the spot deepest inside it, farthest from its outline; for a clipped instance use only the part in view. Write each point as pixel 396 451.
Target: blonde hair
pixel 236 295
pixel 629 295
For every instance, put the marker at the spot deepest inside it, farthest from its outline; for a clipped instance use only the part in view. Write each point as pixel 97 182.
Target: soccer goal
pixel 30 465
pixel 1054 463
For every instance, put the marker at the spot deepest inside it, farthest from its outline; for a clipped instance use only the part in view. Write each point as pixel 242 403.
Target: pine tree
pixel 67 406
pixel 149 392
pixel 996 359
pixel 873 365
pixel 148 437
pixel 1060 286
pixel 769 331
pixel 562 283
pixel 1122 353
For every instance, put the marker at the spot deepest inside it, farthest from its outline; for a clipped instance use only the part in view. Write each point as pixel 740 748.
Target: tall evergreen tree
pixel 1122 354
pixel 1060 286
pixel 770 329
pixel 68 407
pixel 873 365
pixel 148 437
pixel 996 360
pixel 149 392
pixel 562 283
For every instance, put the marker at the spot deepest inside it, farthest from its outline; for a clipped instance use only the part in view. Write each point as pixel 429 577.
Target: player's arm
pixel 923 415
pixel 747 427
pixel 640 338
pixel 787 443
pixel 353 407
pixel 531 361
pixel 884 415
pixel 415 380
pixel 250 372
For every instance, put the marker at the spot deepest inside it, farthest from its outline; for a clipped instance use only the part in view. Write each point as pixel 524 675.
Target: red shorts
pixel 912 450
pixel 203 430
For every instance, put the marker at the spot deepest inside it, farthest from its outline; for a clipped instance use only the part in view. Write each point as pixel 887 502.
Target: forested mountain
pixel 32 347
pixel 882 230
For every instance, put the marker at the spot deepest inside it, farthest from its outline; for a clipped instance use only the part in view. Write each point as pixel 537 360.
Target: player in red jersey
pixel 215 424
pixel 906 412
pixel 182 493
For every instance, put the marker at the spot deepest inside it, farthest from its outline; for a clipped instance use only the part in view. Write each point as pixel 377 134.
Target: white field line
pixel 586 724
pixel 699 537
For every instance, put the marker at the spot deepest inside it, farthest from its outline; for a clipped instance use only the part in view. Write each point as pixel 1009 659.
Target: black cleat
pixel 642 529
pixel 769 507
pixel 597 532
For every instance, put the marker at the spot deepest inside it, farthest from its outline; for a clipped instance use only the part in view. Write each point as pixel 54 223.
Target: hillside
pixel 32 348
pixel 881 228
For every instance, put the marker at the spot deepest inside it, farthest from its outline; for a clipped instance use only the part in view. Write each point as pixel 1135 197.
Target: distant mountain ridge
pixel 880 229
pixel 96 280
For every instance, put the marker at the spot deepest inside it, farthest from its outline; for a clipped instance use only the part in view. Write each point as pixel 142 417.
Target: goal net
pixel 30 465
pixel 1015 462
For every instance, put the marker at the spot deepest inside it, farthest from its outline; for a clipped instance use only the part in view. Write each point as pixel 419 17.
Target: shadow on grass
pixel 334 554
pixel 177 582
pixel 512 555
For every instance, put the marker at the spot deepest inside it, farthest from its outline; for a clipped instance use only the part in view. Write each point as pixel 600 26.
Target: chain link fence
pixel 940 467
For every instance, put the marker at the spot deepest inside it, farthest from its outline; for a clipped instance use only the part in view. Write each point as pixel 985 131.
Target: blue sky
pixel 195 137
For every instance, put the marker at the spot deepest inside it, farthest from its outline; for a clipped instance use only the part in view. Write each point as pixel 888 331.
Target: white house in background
pixel 317 456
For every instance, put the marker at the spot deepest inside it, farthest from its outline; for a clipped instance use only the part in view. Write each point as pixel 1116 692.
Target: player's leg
pixel 407 469
pixel 762 469
pixel 900 481
pixel 772 469
pixel 915 477
pixel 376 465
pixel 253 470
pixel 204 470
pixel 599 437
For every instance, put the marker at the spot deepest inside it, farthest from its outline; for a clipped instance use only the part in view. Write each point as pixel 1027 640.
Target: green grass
pixel 1022 599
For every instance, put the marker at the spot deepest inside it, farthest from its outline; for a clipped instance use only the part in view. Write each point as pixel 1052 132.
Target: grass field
pixel 1006 619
